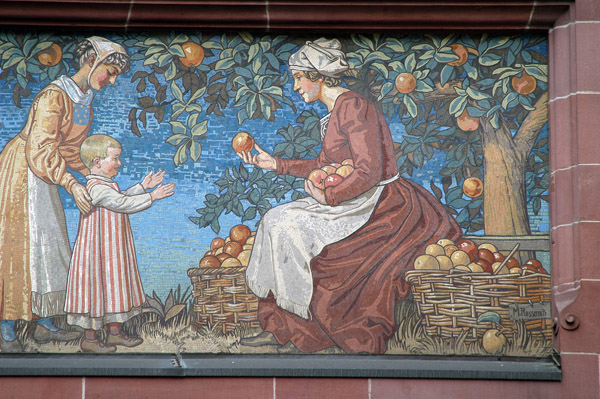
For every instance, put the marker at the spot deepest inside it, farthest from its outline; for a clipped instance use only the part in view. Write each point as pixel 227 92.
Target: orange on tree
pixel 50 56
pixel 525 84
pixel 467 122
pixel 405 83
pixel 194 54
pixel 472 187
pixel 461 52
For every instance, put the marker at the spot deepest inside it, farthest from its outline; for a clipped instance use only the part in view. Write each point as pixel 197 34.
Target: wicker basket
pixel 222 298
pixel 450 303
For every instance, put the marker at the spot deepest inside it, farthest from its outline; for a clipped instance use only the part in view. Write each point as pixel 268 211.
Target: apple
pixel 515 270
pixel 495 267
pixel 469 247
pixel 475 267
pixel 242 141
pixel 498 257
pixel 348 161
pixel 487 255
pixel 426 262
pixel 529 269
pixel 344 170
pixel 485 265
pixel 462 268
pixel 444 241
pixel 512 262
pixel 329 169
pixel 486 245
pixel 460 258
pixel 445 262
pixel 335 164
pixel 317 177
pixel 333 180
pixel 435 250
pixel 450 249
pixel 534 262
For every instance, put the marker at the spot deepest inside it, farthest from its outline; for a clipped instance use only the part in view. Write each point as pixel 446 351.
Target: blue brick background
pixel 167 243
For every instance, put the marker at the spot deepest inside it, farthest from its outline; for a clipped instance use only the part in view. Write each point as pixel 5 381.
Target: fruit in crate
pixel 435 250
pixel 444 242
pixel 317 177
pixel 244 257
pixel 490 247
pixel 469 247
pixel 240 233
pixel 217 243
pixel 475 267
pixel 503 269
pixel 445 262
pixel 486 255
pixel 231 262
pixel 450 249
pixel 426 262
pixel 485 265
pixel 233 248
pixel 460 258
pixel 242 141
pixel 210 261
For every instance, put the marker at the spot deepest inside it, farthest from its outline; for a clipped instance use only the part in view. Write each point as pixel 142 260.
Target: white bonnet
pixel 322 55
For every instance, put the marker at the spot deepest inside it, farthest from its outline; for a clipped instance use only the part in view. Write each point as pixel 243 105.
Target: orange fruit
pixel 467 122
pixel 329 169
pixel 405 83
pixel 239 233
pixel 231 262
pixel 50 56
pixel 217 243
pixel 233 248
pixel 242 142
pixel 210 261
pixel 194 54
pixel 344 170
pixel 461 52
pixel 525 84
pixel 348 161
pixel 473 187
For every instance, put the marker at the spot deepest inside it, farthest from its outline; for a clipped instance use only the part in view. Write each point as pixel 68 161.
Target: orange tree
pixel 480 102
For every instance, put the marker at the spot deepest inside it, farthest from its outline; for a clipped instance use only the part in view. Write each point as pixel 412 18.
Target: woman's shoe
pixel 96 346
pixel 288 349
pixel 263 339
pixel 10 346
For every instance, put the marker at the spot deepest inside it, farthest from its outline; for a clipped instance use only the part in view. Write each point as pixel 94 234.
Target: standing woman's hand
pixel 263 159
pixel 82 198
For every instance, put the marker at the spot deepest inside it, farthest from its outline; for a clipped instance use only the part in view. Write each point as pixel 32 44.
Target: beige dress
pixel 34 247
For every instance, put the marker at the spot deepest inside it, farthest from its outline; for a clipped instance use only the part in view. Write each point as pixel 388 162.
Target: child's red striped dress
pixel 104 284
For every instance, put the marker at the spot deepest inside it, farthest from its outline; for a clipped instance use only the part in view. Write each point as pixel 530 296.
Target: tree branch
pixel 532 125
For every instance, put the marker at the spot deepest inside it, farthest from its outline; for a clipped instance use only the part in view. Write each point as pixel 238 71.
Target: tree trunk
pixel 505 198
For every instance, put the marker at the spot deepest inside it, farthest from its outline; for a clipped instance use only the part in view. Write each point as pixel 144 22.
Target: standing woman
pixel 329 268
pixel 34 245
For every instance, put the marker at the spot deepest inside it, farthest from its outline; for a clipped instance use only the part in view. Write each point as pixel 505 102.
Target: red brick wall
pixel 575 213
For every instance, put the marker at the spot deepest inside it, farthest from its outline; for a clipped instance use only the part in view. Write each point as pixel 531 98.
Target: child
pixel 104 285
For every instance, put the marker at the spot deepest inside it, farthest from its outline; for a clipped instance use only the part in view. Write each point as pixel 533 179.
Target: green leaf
pixel 171 71
pixel 446 74
pixel 178 127
pixel 410 62
pixel 176 91
pixel 489 317
pixel 410 106
pixel 175 310
pixel 249 214
pixel 195 150
pixel 200 128
pixel 176 139
pixel 457 106
pixel 476 94
pixel 224 64
pixel 510 97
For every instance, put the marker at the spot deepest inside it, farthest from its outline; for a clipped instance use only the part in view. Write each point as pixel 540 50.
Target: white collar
pixel 103 178
pixel 73 91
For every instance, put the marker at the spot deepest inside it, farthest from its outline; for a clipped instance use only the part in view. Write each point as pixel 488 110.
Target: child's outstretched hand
pixel 162 191
pixel 152 179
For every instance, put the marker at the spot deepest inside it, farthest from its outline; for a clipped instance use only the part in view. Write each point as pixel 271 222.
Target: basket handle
pixel 507 258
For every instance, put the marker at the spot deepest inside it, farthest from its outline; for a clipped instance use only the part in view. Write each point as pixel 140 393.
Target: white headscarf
pixel 103 48
pixel 322 55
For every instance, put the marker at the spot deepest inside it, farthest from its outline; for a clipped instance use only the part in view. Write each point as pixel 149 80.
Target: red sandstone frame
pixel 333 16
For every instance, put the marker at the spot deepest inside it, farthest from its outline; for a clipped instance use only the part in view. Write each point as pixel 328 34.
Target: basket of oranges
pixel 453 284
pixel 221 297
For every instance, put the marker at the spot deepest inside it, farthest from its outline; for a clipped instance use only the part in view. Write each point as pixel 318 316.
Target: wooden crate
pixel 222 298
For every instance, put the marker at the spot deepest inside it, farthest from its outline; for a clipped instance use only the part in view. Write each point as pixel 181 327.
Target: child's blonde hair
pixel 96 146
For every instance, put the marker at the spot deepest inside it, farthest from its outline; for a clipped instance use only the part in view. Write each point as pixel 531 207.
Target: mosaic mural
pixel 249 193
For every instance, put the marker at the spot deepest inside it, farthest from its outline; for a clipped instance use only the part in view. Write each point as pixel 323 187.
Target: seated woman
pixel 328 269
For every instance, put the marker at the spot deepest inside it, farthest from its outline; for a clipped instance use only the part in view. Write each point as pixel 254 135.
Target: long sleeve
pixel 44 138
pixel 106 197
pixel 359 123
